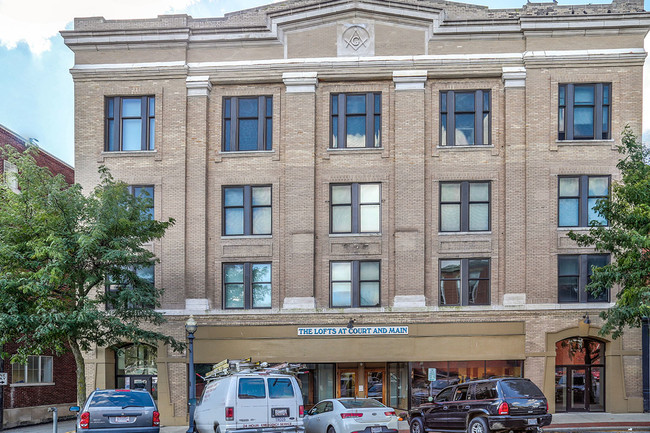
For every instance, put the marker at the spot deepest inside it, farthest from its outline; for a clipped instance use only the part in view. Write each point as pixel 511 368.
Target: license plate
pixel 375 429
pixel 532 421
pixel 122 419
pixel 280 412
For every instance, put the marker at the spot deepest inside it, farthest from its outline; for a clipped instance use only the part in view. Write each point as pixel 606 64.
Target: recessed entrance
pixel 136 368
pixel 579 375
pixel 361 383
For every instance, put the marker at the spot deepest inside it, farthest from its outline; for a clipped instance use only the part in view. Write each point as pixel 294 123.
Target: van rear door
pixel 284 401
pixel 252 406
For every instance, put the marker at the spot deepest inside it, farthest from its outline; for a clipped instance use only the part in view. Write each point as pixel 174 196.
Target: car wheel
pixel 478 425
pixel 416 426
pixel 330 429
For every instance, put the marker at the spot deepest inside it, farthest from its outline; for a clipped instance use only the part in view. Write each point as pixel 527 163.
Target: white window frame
pixel 16 366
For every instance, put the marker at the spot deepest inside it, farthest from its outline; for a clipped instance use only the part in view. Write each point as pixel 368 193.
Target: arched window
pixel 579 375
pixel 135 367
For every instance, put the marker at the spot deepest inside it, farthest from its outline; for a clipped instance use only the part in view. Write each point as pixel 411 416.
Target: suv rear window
pixel 280 388
pixel 251 388
pixel 121 399
pixel 520 389
pixel 360 402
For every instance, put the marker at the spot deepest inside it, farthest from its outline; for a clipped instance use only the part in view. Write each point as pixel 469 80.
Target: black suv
pixel 482 406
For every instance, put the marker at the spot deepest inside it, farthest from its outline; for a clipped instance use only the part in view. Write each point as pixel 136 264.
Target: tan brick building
pixel 408 168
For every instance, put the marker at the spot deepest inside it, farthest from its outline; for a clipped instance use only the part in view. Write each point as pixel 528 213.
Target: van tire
pixel 330 429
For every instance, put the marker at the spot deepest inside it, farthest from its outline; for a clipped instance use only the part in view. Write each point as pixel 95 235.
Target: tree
pixel 626 237
pixel 59 249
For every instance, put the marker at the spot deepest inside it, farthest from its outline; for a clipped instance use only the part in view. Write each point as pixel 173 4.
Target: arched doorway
pixel 579 375
pixel 135 367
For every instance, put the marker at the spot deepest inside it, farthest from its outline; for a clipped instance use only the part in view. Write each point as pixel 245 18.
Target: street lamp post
pixel 645 359
pixel 190 327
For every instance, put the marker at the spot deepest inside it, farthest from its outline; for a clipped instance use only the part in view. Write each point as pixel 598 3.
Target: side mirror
pixel 74 409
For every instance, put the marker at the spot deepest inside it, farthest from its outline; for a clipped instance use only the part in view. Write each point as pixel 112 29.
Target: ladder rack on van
pixel 232 366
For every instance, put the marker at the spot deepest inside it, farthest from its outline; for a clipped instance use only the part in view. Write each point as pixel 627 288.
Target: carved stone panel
pixel 356 40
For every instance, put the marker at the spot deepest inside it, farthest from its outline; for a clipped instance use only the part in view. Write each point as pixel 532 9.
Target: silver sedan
pixel 351 415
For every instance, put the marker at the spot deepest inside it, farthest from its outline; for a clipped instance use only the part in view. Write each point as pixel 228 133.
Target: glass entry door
pixel 375 384
pixel 346 385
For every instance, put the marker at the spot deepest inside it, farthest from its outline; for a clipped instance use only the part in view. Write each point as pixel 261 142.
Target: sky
pixel 36 91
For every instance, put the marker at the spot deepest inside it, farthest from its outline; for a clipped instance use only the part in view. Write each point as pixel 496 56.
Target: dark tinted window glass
pixel 361 402
pixel 445 394
pixel 461 393
pixel 121 399
pixel 520 389
pixel 280 388
pixel 251 388
pixel 486 391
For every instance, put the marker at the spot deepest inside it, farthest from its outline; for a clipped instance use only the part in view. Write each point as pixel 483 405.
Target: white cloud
pixel 36 21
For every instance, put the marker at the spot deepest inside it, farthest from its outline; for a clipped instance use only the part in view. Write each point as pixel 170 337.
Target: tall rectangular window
pixel 355 283
pixel 584 111
pixel 465 118
pixel 577 196
pixel 130 123
pixel 116 285
pixel 145 192
pixel 465 282
pixel 574 273
pixel 355 120
pixel 464 206
pixel 355 208
pixel 247 123
pixel 38 369
pixel 247 210
pixel 247 285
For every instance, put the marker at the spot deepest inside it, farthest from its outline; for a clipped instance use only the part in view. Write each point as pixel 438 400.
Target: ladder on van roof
pixel 232 366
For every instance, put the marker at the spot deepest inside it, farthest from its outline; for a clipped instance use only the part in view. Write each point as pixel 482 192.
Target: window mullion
pixel 144 110
pixel 478 117
pixel 583 201
pixel 234 124
pixel 343 139
pixel 356 277
pixel 370 120
pixel 247 285
pixel 582 278
pixel 464 281
pixel 568 115
pixel 464 206
pixel 117 122
pixel 598 111
pixel 451 119
pixel 355 208
pixel 261 121
pixel 248 212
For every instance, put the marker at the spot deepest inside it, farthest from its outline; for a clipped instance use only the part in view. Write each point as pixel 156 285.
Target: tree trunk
pixel 81 371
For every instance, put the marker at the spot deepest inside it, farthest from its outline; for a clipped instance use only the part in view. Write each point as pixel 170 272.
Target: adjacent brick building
pixel 48 380
pixel 379 190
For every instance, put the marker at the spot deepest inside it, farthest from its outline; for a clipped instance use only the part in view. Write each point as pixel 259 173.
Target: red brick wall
pixel 43 158
pixel 64 390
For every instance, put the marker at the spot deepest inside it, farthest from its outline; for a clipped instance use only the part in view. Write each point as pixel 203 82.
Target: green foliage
pixel 626 237
pixel 59 247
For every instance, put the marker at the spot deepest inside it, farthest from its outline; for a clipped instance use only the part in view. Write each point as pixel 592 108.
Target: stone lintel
pixel 409 301
pixel 198 85
pixel 409 80
pixel 197 304
pixel 514 76
pixel 299 303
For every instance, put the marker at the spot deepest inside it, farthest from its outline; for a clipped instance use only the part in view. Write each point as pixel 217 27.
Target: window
pixel 464 206
pixel 114 289
pixel 251 388
pixel 584 111
pixel 247 285
pixel 486 391
pixel 355 283
pixel 356 120
pixel 465 282
pixel 37 370
pixel 355 208
pixel 462 393
pixel 577 197
pixel 465 118
pixel 280 388
pixel 246 210
pixel 10 172
pixel 145 192
pixel 247 123
pixel 130 123
pixel 574 273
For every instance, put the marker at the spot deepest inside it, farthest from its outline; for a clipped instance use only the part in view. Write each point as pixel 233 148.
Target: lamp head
pixel 587 321
pixel 350 324
pixel 191 325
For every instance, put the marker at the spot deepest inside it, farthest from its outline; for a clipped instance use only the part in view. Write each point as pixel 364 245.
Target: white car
pixel 350 415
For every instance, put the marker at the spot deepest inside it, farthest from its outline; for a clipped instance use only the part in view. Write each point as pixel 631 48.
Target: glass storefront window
pixel 398 373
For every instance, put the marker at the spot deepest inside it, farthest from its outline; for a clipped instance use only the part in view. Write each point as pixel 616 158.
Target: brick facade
pixel 410 52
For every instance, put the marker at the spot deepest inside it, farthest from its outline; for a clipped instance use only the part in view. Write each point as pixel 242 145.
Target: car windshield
pixel 521 389
pixel 121 399
pixel 360 403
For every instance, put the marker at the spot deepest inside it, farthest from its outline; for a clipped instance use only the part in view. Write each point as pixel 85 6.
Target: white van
pixel 251 402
